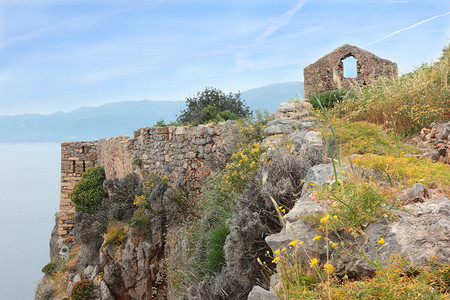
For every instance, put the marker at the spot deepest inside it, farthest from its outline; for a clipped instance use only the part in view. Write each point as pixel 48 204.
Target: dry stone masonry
pixel 185 154
pixel 327 73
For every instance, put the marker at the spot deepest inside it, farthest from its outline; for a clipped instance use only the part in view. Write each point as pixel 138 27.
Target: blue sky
pixel 63 54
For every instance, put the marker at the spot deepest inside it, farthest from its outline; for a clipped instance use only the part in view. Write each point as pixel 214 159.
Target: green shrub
pixel 329 98
pixel 141 220
pixel 83 289
pixel 88 192
pixel 206 105
pixel 50 268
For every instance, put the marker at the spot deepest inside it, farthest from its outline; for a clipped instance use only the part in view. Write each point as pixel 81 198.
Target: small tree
pixel 198 108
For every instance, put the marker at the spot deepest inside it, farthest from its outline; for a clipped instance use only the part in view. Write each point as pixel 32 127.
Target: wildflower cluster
pixel 151 181
pixel 351 205
pixel 299 269
pixel 243 166
pixel 250 131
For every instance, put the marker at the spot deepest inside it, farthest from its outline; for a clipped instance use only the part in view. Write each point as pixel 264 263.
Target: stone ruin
pixel 327 73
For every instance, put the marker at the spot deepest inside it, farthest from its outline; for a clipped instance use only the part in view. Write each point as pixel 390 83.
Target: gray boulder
pixel 258 293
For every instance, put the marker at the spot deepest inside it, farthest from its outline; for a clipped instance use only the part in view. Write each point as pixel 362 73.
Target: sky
pixel 59 55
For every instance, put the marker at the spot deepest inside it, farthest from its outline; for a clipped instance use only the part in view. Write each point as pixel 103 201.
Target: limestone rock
pixel 258 293
pixel 302 209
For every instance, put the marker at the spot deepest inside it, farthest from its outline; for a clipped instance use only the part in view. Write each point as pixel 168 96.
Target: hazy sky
pixel 63 54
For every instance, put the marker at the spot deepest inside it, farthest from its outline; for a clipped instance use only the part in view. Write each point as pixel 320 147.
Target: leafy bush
pixel 88 193
pixel 115 235
pixel 50 268
pixel 213 103
pixel 83 289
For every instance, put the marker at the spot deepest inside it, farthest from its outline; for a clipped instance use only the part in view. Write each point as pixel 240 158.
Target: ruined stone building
pixel 328 72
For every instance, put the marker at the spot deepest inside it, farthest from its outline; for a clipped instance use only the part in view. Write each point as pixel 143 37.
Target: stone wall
pixel 327 73
pixel 186 154
pixel 76 158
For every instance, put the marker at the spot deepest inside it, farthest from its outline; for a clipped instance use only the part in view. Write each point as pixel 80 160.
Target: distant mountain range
pixel 122 118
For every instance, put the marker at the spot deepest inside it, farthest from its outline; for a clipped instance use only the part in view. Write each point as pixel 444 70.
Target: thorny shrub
pixel 83 290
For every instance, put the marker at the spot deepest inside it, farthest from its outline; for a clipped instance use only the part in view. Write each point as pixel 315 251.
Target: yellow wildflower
pixel 324 219
pixel 381 241
pixel 313 262
pixel 335 217
pixel 300 243
pixel 293 243
pixel 328 268
pixel 283 250
pixel 334 245
pixel 275 259
pixel 259 260
pixel 317 237
pixel 277 251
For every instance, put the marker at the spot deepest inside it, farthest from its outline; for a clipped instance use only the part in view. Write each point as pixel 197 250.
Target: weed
pixel 115 235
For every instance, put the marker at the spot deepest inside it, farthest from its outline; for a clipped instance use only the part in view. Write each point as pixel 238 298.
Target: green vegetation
pixel 137 163
pixel 329 98
pixel 354 204
pixel 83 290
pixel 88 193
pixel 115 235
pixel 213 105
pixel 366 138
pixel 407 170
pixel 50 268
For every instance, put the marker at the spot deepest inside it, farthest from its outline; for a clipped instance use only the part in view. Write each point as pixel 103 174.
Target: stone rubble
pixel 434 141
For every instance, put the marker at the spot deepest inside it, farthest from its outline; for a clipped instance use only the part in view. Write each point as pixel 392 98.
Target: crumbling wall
pixel 186 154
pixel 327 73
pixel 76 158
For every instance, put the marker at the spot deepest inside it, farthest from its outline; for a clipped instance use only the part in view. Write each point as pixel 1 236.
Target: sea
pixel 29 199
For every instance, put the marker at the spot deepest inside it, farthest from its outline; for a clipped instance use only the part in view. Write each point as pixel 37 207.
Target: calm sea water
pixel 29 198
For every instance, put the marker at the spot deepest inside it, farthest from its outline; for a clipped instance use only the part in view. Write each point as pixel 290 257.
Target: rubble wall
pixel 186 155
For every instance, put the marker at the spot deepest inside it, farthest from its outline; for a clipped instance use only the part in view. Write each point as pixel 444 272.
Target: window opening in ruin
pixel 350 69
pixel 84 165
pixel 82 149
pixel 73 166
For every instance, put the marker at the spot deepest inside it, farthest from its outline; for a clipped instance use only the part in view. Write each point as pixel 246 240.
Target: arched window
pixel 350 69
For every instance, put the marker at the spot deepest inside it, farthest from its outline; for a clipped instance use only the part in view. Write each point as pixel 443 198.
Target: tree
pixel 199 109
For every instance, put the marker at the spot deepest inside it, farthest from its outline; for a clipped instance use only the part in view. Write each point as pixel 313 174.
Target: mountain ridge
pixel 122 118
